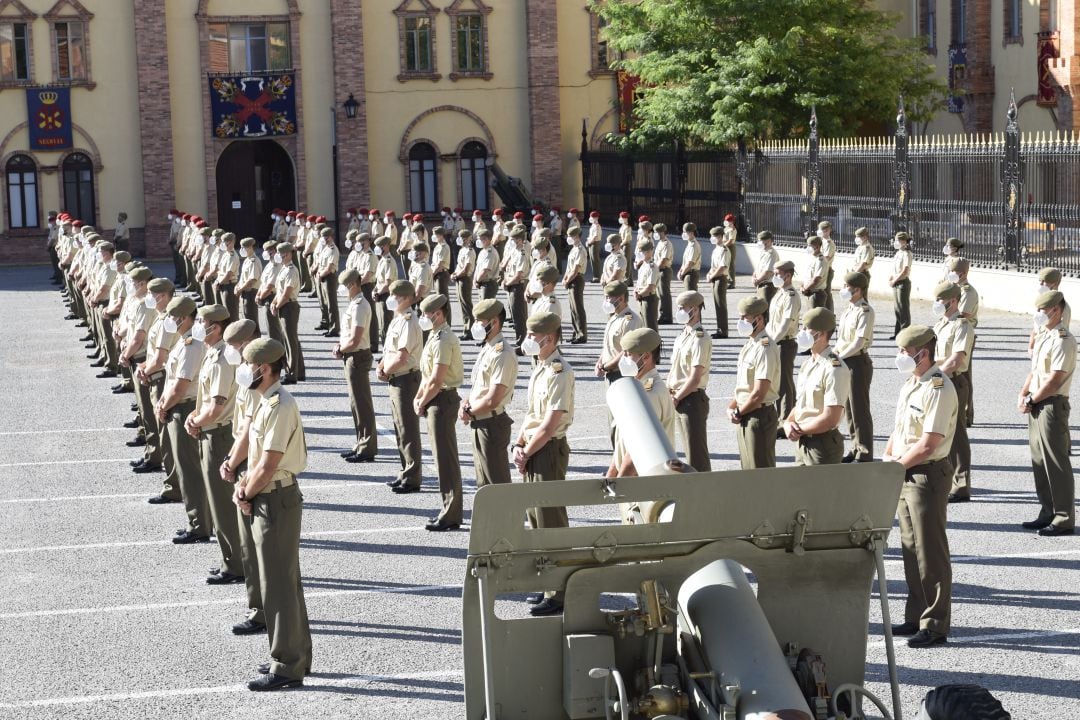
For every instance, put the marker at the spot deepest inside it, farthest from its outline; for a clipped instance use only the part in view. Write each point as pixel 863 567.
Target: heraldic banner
pixel 253 106
pixel 48 112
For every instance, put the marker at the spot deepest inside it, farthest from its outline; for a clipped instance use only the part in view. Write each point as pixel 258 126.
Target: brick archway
pixel 489 138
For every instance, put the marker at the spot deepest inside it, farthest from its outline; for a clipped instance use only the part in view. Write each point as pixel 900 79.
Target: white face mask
pixel 535 254
pixel 859 241
pixel 639 257
pixel 348 244
pixel 460 242
pixel 213 240
pixel 821 233
pixel 412 256
pixel 953 277
pixel 535 287
pixel 150 302
pixel 896 245
pixel 552 213
pixel 1043 287
pixel 112 265
pixel 478 331
pixel 392 303
pixel 656 236
pixel 947 250
pixel 573 239
pixel 1040 318
pixel 777 281
pixel 232 356
pixel 608 306
pixel 760 245
pixel 425 323
pixel 805 339
pixel 686 237
pixel 377 251
pixel 129 284
pixel 627 366
pixel 594 221
pixel 244 375
pixel 938 308
pixel 845 294
pixel 170 219
pixel 198 332
pixel 170 325
pixel 744 327
pixel 682 316
pixel 530 347
pixel 265 256
pixel 343 291
pixel 278 259
pixel 569 216
pixel 809 249
pixel 905 363
pixel 607 248
pixel 714 240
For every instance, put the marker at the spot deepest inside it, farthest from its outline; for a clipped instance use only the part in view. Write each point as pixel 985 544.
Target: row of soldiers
pixel 213 414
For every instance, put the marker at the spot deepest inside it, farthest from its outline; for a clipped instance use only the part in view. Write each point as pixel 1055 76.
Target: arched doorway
pixel 253 178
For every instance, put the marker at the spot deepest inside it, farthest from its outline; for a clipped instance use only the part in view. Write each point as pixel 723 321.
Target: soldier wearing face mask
pixel 593 242
pixel 574 282
pixel 690 269
pixel 664 256
pixel 900 281
pixel 640 347
pixel 518 264
pixel 264 296
pixel 399 368
pixel 544 284
pixel 176 226
pixel 822 392
pixel 135 321
pixel 1049 279
pixel 864 253
pixel 828 251
pixel 440 262
pixel 688 379
pixel 782 327
pixel 286 308
pixel 354 349
pixel 615 263
pixel 463 278
pixel 555 227
pixel 920 441
pixel 817 270
pixel 856 335
pixel 486 274
pixel 247 285
pixel 952 249
pixel 969 310
pixel 753 408
pixel 719 265
pixel 327 261
pixel 386 274
pixel 150 374
pixel 955 337
pixel 645 287
pixel 492 389
pixel 764 265
pixel 731 235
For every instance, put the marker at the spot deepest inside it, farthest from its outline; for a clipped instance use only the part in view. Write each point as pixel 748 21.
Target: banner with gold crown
pixel 48 112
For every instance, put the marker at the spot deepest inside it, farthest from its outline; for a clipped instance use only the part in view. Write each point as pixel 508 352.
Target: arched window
pixel 422 180
pixel 22 195
pixel 474 176
pixel 79 187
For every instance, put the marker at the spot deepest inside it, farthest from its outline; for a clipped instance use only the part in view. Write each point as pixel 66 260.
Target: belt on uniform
pixel 788 339
pixel 159 375
pixel 219 426
pixel 182 406
pixel 1049 400
pixel 401 375
pixel 447 394
pixel 353 353
pixel 487 416
pixel 926 466
pixel 279 483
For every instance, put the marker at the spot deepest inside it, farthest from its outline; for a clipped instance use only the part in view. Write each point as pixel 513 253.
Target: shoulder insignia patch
pixel 1062 332
pixel 765 341
pixel 273 402
pixel 835 360
pixel 557 367
pixel 938 381
pixel 499 348
pixel 649 384
pixel 699 333
pixel 188 341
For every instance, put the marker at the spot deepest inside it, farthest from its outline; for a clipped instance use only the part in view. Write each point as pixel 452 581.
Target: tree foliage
pixel 713 71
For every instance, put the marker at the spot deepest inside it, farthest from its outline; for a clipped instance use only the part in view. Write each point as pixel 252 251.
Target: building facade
pixel 230 108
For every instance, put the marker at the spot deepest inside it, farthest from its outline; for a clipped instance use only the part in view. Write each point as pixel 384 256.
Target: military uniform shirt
pixel 228 265
pixel 766 262
pixel 276 427
pixel 404 333
pixel 386 272
pixel 925 404
pixel 157 337
pixel 495 365
pixel 250 271
pixel 466 257
pixel 269 275
pixel 615 266
pixel 546 303
pixel 217 378
pixel 1055 350
pixel 969 303
pixel 759 359
pixel 817 267
pixel 487 264
pixel 329 257
pixel 691 257
pixel 577 259
pixel 357 315
pixel 784 313
pixel 518 262
pixel 693 348
pixel 443 348
pixel 243 408
pixel 823 382
pixel 665 253
pixel 721 258
pixel 863 254
pixel 440 257
pixel 855 331
pixel 828 250
pixel 662 405
pixel 420 276
pixel 365 265
pixel 647 275
pixel 901 261
pixel 354 258
pixel 184 362
pixel 954 335
pixel 618 324
pixel 551 387
pixel 288 277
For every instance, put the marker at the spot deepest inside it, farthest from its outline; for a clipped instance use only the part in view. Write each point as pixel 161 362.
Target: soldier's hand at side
pixel 227 473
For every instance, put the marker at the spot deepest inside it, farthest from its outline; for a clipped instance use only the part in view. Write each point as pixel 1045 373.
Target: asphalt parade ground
pixel 102 617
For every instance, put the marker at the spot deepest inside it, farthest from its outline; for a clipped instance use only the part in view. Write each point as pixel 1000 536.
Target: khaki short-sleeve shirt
pixel 720 260
pixel 618 325
pixel 969 304
pixel 925 404
pixel 269 275
pixel 647 275
pixel 615 266
pixel 443 348
pixel 420 276
pixel 386 272
pixel 288 277
pixel 577 259
pixel 276 427
pixel 954 335
pixel 1054 351
pixel 817 267
pixel 246 402
pixel 662 405
pixel 217 378
pixel 487 264
pixel 404 333
pixel 665 253
pixel 228 263
pixel 466 258
pixel 157 337
pixel 766 262
pixel 184 362
pixel 856 331
pixel 691 257
pixel 496 365
pixel 784 314
pixel 551 387
pixel 365 265
pixel 759 359
pixel 250 271
pixel 693 348
pixel 546 303
pixel 357 315
pixel 863 254
pixel 901 261
pixel 440 257
pixel 824 381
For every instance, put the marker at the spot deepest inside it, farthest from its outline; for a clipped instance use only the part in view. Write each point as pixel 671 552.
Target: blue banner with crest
pixel 253 106
pixel 48 113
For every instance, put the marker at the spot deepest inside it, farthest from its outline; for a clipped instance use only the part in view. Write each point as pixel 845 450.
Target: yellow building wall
pixel 316 61
pixel 188 115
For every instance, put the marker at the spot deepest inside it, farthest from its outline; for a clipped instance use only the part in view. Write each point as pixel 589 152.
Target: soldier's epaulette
pixel 791 291
pixel 765 340
pixel 649 384
pixel 938 381
pixel 499 347
pixel 188 341
pixel 1063 332
pixel 835 359
pixel 557 366
pixel 699 332
pixel 273 402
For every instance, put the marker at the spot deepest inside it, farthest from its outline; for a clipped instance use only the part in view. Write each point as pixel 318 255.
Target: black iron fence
pixel 1012 198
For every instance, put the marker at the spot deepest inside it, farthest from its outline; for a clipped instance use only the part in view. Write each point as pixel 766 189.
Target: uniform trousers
pixel 464 295
pixel 549 463
pixel 357 372
pixel 441 416
pixel 756 434
pixel 249 309
pixel 273 322
pixel 825 448
pixel 649 307
pixel 1048 438
pixel 594 261
pixel 860 425
pixel 151 431
pixel 250 561
pixel 188 471
pixel 960 450
pixel 289 315
pixel 766 290
pixel 578 319
pixel 489 289
pixel 442 283
pixel 170 486
pixel 902 305
pixel 665 296
pixel 226 295
pixel 693 411
pixel 828 288
pixel 402 392
pixel 179 266
pixel 518 311
pixel 385 315
pixel 786 389
pixel 925 545
pixel 373 328
pixel 276 531
pixel 328 287
pixel 719 298
pixel 491 437
pixel 214 445
pixel 690 280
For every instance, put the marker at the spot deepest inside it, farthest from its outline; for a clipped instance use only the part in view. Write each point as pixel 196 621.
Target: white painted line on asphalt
pixel 310 681
pixel 64 431
pixel 227 601
pixel 307 489
pixel 977 558
pixel 970 639
pixel 65 462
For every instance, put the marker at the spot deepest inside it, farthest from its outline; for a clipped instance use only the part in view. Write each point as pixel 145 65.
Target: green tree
pixel 713 71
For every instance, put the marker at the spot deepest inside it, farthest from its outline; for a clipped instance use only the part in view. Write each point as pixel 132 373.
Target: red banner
pixel 627 86
pixel 1046 50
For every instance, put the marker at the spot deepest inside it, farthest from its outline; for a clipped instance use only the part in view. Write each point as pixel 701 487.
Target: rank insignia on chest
pixel 649 385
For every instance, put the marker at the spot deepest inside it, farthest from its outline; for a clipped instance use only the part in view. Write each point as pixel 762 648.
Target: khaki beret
pixel 464 233
pixel 240 331
pixel 269 246
pixel 214 313
pixel 1050 298
pixel 247 242
pixel 545 323
pixel 417 227
pixel 753 305
pixel 384 240
pixel 574 231
pixel 660 227
pixel 182 306
pixel 764 235
pixel 353 235
pixel 263 351
pixel 689 228
pixel 140 273
pixel 857 279
pixel 691 298
pixel 161 285
pixel 327 233
pixel 488 309
pixel 438 230
pixel 645 225
pixel 362 237
pixel 88 230
pixel 914 336
pixel 285 247
pixel 819 318
pixel 902 236
pixel 954 243
pixel 549 274
pixel 615 289
pixel 518 233
pixel 1050 275
pixel 348 277
pixel 545 233
pixel 862 232
pixel 824 225
pixel 645 245
pixel 541 243
pixel 641 340
pixel 122 256
pixel 959 264
pixel 206 231
pixel 228 237
pixel 484 234
pixel 402 288
pixel 716 231
pixel 614 239
pixel 432 303
pixel 813 240
pixel 217 232
pixel 947 291
pixel 106 247
pixel 786 266
pixel 420 247
pixel 122 216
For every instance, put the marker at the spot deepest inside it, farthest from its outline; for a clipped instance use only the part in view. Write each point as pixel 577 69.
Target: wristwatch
pixel 1028 400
